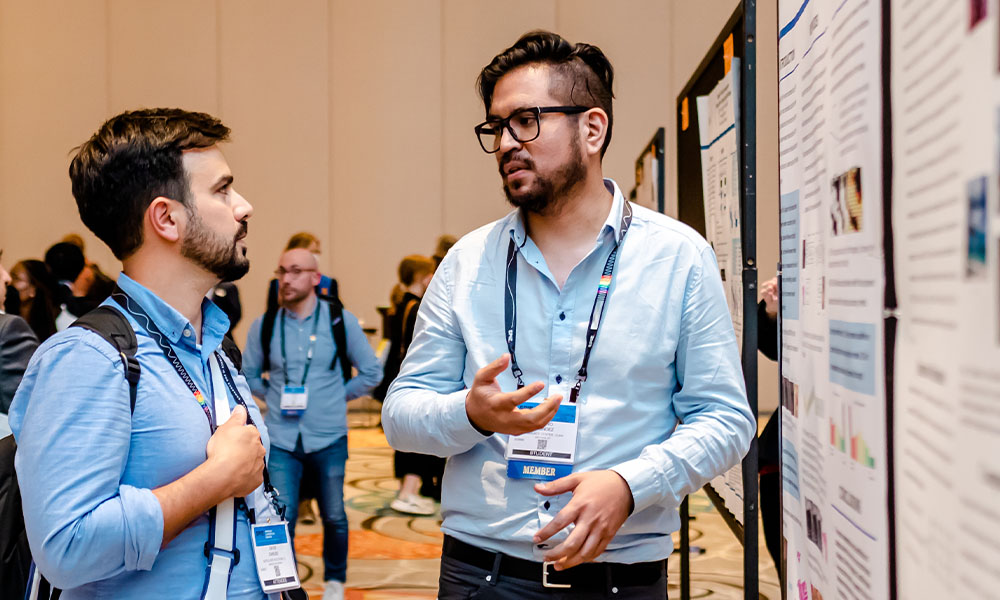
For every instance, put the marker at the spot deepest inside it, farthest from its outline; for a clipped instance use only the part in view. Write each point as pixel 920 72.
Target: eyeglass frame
pixel 295 273
pixel 504 123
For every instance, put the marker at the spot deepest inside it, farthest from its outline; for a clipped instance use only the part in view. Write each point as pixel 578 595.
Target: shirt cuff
pixel 647 481
pixel 465 432
pixel 143 527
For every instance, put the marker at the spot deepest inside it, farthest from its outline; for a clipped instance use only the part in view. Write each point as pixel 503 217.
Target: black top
pixel 400 335
pixel 17 344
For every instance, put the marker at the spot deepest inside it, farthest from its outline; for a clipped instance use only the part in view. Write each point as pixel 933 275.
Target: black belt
pixel 587 576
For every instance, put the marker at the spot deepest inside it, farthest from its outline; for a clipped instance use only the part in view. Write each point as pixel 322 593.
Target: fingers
pixel 569 548
pixel 533 419
pixel 238 416
pixel 516 398
pixel 488 374
pixel 590 550
pixel 559 486
pixel 566 516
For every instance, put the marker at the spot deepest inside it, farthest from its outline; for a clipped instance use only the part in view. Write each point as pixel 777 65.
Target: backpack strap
pixel 232 351
pixel 114 328
pixel 267 326
pixel 339 338
pixel 404 344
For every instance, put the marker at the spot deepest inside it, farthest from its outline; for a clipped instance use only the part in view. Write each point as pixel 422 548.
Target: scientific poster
pixel 834 470
pixel 718 115
pixel 946 152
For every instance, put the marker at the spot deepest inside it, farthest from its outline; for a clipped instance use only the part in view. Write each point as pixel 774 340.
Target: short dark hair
pixel 583 74
pixel 65 261
pixel 132 159
pixel 414 266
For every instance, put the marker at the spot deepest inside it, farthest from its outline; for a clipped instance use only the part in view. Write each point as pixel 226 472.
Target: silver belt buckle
pixel 545 577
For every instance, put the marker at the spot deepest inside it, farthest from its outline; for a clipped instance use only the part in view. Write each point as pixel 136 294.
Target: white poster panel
pixel 834 476
pixel 946 119
pixel 718 132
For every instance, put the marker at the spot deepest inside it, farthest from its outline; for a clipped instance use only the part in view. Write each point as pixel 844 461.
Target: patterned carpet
pixel 394 556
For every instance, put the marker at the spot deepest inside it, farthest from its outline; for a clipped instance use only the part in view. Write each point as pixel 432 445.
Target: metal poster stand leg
pixel 748 156
pixel 685 551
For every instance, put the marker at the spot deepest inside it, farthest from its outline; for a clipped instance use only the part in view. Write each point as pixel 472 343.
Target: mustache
pixel 512 156
pixel 242 233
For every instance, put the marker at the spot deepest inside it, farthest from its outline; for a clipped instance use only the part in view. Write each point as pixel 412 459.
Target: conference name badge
pixel 548 453
pixel 272 551
pixel 294 400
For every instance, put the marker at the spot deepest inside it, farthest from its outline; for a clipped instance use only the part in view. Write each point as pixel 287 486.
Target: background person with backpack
pixel 298 358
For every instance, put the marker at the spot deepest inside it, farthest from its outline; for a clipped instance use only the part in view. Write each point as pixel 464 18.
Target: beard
pixel 213 252
pixel 545 195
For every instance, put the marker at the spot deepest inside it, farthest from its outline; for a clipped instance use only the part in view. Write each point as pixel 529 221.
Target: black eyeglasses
pixel 523 125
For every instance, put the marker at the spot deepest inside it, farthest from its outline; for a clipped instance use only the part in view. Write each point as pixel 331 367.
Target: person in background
pixel 226 296
pixel 444 244
pixel 66 263
pixel 307 397
pixel 17 344
pixel 92 283
pixel 769 442
pixel 326 288
pixel 33 282
pixel 419 474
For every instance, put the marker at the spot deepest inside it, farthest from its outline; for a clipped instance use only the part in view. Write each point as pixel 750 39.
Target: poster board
pixel 835 399
pixel 734 48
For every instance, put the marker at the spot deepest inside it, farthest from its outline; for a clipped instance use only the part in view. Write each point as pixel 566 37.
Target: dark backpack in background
pixel 337 328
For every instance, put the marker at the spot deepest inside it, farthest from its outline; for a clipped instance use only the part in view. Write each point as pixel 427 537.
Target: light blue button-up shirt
pixel 664 405
pixel 325 418
pixel 87 467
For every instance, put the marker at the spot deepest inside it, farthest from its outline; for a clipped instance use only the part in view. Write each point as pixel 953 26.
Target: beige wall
pixel 350 119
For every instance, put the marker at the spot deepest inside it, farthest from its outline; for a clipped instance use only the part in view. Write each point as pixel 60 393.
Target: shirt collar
pixel 172 323
pixel 613 223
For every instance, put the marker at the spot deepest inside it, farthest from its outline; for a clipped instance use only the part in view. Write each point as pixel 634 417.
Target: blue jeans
pixel 286 474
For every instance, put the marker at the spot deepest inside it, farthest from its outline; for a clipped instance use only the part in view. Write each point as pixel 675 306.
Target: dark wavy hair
pixel 581 73
pixel 132 159
pixel 41 311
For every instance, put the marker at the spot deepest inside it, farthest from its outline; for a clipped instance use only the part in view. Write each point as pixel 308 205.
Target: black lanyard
pixel 312 344
pixel 136 310
pixel 596 313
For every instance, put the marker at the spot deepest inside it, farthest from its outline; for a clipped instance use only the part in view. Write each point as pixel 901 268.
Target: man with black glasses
pixel 614 313
pixel 301 366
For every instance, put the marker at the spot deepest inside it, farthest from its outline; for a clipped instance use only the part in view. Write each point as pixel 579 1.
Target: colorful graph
pixel 860 451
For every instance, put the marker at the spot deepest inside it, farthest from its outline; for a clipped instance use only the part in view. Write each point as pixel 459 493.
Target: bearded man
pixel 612 314
pixel 151 496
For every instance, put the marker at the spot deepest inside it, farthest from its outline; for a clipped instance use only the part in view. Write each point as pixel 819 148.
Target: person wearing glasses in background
pixel 306 398
pixel 575 360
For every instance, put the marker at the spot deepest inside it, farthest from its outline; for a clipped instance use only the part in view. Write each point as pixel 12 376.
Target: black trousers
pixel 461 581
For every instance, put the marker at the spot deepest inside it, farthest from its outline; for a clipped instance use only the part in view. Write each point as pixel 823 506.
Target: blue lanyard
pixel 312 344
pixel 596 313
pixel 135 309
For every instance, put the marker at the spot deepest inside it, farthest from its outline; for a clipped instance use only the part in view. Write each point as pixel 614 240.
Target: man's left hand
pixel 601 502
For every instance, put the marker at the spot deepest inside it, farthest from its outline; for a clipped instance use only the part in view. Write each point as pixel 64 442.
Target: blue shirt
pixel 325 418
pixel 87 467
pixel 664 404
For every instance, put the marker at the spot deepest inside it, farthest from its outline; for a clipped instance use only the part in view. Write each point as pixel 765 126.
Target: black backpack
pixel 16 571
pixel 336 326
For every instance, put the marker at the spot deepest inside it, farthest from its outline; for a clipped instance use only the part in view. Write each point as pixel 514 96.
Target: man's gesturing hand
pixel 601 502
pixel 490 409
pixel 235 447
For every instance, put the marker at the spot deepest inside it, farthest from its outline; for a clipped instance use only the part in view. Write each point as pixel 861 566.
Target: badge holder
pixel 294 400
pixel 548 453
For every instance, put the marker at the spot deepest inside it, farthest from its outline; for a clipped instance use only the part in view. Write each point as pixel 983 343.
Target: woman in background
pixel 34 286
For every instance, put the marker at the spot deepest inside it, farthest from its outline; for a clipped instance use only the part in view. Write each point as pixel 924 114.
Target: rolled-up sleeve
pixel 716 424
pixel 73 436
pixel 424 410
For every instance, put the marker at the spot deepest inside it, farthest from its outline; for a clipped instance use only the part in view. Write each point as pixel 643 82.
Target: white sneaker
pixel 413 505
pixel 334 590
